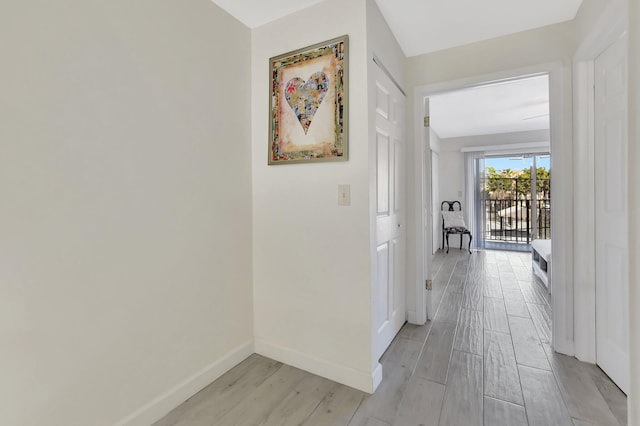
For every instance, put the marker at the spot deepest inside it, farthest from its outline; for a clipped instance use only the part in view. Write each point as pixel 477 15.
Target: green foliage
pixel 511 184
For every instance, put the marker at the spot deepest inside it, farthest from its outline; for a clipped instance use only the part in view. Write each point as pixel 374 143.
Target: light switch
pixel 344 195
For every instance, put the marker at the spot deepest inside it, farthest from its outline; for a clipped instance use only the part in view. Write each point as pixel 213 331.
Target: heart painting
pixel 305 98
pixel 308 119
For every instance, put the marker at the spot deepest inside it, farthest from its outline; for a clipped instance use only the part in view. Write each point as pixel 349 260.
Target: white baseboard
pixel 412 317
pixel 163 404
pixel 377 377
pixel 366 382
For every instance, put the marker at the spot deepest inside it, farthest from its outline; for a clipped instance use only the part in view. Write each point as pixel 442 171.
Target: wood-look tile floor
pixel 485 359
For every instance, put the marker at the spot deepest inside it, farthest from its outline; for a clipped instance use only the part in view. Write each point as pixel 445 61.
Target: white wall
pixel 126 207
pixel 451 183
pixel 311 257
pixel 434 140
pixel 634 213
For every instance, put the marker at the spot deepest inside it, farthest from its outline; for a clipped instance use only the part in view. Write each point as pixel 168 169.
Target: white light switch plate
pixel 344 195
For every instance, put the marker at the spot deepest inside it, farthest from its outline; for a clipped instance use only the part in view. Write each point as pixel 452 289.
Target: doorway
pixel 562 182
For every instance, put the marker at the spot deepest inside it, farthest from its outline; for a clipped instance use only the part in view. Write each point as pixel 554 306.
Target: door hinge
pixel 426 121
pixel 428 284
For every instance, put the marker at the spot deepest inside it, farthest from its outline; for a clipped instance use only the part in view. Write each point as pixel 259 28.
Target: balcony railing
pixel 512 220
pixel 508 210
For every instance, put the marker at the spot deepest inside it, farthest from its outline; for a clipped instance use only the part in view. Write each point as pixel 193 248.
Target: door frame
pixel 435 219
pixel 611 26
pixel 562 182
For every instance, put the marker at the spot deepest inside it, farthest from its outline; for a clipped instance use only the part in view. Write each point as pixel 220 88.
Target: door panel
pixel 611 184
pixel 382 174
pixel 390 236
pixel 398 159
pixel 382 309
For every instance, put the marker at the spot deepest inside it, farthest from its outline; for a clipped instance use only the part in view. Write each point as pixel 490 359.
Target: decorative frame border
pixel 333 146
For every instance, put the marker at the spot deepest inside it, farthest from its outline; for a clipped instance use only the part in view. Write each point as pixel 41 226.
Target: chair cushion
pixel 453 219
pixel 456 230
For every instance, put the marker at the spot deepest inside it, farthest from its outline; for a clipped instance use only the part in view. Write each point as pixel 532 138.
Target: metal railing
pixel 512 220
pixel 508 211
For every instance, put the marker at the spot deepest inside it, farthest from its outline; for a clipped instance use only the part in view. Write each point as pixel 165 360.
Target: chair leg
pixel 461 235
pixel 470 238
pixel 447 243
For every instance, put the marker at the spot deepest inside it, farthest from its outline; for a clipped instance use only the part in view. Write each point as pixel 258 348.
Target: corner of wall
pixel 163 404
pixel 361 380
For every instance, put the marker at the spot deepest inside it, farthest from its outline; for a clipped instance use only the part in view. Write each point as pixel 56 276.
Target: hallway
pixel 484 359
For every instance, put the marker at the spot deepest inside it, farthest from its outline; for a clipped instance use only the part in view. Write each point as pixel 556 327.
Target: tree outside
pixel 515 184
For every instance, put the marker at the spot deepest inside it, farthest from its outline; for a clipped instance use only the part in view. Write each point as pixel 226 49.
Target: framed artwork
pixel 308 104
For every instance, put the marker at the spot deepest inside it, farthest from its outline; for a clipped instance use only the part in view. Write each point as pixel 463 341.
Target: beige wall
pixel 528 48
pixel 588 14
pixel 383 44
pixel 125 219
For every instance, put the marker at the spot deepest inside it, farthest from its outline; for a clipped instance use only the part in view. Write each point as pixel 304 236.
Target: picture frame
pixel 308 104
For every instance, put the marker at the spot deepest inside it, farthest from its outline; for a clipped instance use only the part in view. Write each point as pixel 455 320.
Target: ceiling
pixel 423 26
pixel 505 107
pixel 254 13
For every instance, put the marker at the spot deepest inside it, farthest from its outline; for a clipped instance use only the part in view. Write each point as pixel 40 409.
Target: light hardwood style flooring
pixel 485 359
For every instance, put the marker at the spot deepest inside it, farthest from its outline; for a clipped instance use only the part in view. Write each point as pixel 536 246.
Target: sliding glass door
pixel 514 200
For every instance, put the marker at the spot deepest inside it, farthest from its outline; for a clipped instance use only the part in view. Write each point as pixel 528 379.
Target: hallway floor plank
pixel 484 360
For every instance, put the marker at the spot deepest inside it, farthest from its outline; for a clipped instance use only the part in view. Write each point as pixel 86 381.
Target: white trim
pixel 584 202
pixel 385 70
pixel 562 208
pixel 377 377
pixel 525 146
pixel 364 381
pixel 420 293
pixel 163 404
pixel 611 25
pixel 411 316
pixel 560 116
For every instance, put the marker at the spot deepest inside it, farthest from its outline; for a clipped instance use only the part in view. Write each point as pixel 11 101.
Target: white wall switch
pixel 344 195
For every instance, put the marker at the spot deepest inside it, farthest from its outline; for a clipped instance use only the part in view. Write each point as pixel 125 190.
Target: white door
pixel 611 182
pixel 390 309
pixel 435 203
